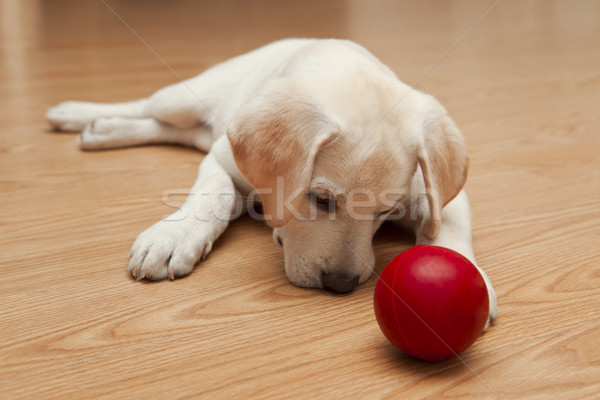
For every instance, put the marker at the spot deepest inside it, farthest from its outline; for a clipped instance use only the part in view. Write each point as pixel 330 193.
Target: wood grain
pixel 523 83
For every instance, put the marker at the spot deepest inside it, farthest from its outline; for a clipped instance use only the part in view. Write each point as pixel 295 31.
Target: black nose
pixel 340 283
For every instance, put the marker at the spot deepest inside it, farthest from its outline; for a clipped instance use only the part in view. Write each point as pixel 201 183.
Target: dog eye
pixel 386 212
pixel 390 214
pixel 322 201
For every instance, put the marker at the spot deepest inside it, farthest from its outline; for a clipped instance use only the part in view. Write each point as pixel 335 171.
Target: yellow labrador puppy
pixel 322 133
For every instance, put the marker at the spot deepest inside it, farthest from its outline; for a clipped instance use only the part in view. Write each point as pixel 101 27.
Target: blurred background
pixel 423 41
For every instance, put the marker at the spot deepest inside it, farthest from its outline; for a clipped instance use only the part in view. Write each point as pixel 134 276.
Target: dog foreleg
pixel 171 247
pixel 73 116
pixel 455 234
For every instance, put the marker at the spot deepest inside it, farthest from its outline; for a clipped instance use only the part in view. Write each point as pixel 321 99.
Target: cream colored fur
pixel 296 124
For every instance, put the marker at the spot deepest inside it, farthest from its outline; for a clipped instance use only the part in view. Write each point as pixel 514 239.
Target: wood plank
pixel 524 86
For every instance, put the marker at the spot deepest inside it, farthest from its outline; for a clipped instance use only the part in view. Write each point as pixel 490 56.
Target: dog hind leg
pixel 74 116
pixel 116 132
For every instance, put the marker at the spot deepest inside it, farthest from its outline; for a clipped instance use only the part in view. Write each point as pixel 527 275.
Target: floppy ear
pixel 275 142
pixel 444 163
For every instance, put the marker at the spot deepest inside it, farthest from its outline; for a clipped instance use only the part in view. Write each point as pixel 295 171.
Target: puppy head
pixel 326 188
pixel 322 195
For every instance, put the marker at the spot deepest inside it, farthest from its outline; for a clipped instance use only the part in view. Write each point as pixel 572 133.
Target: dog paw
pixel 102 133
pixel 493 313
pixel 115 132
pixel 169 249
pixel 71 116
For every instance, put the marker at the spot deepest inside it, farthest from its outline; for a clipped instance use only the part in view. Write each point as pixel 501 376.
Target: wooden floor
pixel 521 79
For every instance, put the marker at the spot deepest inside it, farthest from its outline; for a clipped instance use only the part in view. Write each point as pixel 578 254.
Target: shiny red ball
pixel 431 302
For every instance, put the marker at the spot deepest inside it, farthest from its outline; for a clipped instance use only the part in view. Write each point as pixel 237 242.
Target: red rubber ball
pixel 431 302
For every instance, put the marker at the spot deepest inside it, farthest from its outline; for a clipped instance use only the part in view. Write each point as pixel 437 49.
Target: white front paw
pixel 493 307
pixel 169 249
